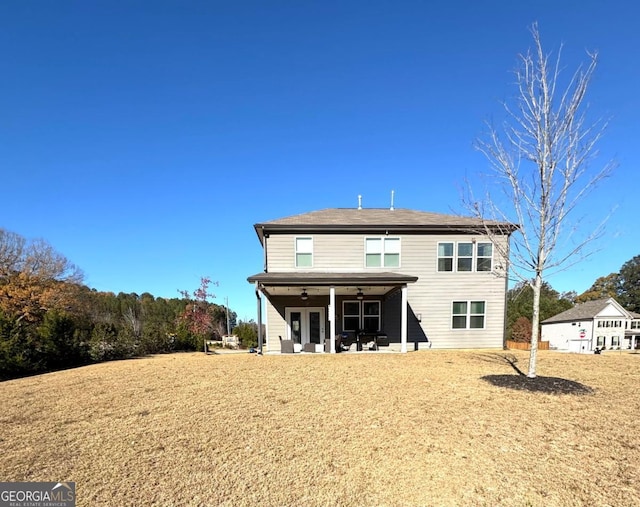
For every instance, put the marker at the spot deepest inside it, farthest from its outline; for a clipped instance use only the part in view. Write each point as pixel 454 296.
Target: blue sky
pixel 144 139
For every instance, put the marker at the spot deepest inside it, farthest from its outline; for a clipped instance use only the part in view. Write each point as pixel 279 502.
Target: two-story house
pixel 601 324
pixel 414 278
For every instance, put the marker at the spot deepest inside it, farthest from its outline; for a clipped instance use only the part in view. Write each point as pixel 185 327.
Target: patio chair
pixel 309 347
pixel 286 346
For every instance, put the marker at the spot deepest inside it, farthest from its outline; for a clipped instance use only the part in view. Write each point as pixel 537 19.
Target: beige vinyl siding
pixel 332 252
pixel 434 292
pixel 431 296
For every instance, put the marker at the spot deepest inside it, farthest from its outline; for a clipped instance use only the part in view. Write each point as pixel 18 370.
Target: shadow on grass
pixel 520 382
pixel 548 385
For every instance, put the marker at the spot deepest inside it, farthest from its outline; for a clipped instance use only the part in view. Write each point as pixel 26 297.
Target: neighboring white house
pixel 602 324
pixel 408 279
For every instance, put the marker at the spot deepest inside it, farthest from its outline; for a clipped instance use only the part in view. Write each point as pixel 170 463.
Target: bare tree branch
pixel 540 160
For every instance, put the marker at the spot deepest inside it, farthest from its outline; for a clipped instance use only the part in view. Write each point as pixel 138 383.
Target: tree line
pixel 49 320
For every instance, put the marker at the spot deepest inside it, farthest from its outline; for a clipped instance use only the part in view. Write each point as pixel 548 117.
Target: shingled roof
pixel 368 219
pixel 583 311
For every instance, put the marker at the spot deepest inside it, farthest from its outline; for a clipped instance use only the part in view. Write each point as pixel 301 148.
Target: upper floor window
pixel 484 257
pixel 382 252
pixel 610 323
pixel 445 256
pixel 304 252
pixel 465 257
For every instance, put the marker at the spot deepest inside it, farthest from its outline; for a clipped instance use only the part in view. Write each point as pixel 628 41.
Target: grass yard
pixel 432 428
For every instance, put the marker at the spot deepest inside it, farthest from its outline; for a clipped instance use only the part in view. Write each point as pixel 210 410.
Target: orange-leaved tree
pixel 197 315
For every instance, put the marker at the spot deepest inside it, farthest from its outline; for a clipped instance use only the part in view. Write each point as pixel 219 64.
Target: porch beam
pixel 403 320
pixel 332 318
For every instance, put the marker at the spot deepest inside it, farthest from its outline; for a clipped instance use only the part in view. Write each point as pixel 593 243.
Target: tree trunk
pixel 535 325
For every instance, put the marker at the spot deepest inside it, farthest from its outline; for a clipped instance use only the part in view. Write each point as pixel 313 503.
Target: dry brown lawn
pixel 432 428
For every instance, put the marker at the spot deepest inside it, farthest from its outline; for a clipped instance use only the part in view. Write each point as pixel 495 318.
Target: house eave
pixel 263 230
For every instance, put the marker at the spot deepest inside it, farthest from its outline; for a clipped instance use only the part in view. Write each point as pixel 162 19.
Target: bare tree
pixel 540 160
pixel 34 259
pixel 12 248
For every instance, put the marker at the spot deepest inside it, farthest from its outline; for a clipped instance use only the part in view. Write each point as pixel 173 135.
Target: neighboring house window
pixel 361 316
pixel 445 256
pixel 600 341
pixel 468 257
pixel 635 325
pixel 382 252
pixel 615 341
pixel 468 315
pixel 485 255
pixel 465 256
pixel 304 252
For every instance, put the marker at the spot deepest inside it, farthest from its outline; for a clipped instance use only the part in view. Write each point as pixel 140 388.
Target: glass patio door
pixel 305 325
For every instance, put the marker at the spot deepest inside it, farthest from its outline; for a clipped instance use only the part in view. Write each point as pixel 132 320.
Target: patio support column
pixel 332 318
pixel 403 320
pixel 259 318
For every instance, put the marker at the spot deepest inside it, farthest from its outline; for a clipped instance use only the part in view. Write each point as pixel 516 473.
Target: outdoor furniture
pixel 382 340
pixel 309 347
pixel 286 347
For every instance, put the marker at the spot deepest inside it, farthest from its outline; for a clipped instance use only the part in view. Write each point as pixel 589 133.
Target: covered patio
pixel 303 302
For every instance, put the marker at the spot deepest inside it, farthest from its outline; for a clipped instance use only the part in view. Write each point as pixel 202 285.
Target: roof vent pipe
pixel 392 192
pixel 359 202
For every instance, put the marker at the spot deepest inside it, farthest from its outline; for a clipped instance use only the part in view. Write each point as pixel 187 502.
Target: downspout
pixel 264 251
pixel 259 300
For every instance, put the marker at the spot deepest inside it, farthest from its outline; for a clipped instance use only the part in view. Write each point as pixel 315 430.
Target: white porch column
pixel 332 318
pixel 403 320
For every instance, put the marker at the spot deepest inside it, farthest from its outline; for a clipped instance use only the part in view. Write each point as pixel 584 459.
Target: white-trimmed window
pixel 361 316
pixel 468 315
pixel 350 315
pixel 465 256
pixel 600 341
pixel 371 316
pixel 304 252
pixel 615 341
pixel 382 252
pixel 445 256
pixel 484 257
